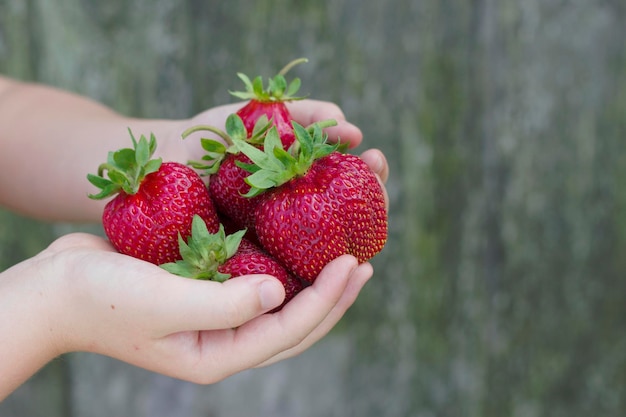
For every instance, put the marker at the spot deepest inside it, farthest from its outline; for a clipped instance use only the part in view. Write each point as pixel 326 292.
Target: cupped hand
pixel 198 331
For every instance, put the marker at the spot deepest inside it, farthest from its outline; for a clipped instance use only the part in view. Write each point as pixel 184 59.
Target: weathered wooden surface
pixel 501 289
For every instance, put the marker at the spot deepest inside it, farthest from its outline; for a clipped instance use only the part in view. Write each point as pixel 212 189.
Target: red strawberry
pixel 218 257
pixel 270 102
pixel 251 259
pixel 154 202
pixel 228 187
pixel 319 203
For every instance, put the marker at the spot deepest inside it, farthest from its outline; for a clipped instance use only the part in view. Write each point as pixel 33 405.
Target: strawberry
pixel 219 257
pixel 318 203
pixel 227 188
pixel 154 202
pixel 270 102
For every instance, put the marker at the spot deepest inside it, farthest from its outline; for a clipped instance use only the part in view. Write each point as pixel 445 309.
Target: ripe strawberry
pixel 228 187
pixel 218 257
pixel 270 102
pixel 318 203
pixel 154 202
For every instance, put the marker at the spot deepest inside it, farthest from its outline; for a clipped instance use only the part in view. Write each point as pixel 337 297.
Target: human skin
pixel 80 295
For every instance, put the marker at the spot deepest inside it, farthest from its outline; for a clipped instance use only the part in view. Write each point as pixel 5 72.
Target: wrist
pixel 26 323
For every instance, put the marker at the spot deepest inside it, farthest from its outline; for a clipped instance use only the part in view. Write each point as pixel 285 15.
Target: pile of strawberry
pixel 280 199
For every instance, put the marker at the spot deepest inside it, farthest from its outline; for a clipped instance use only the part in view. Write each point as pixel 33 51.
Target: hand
pixel 94 299
pixel 79 294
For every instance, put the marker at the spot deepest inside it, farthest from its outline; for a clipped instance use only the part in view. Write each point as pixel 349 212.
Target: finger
pixel 137 302
pixel 377 162
pixel 186 304
pixel 219 354
pixel 307 112
pixel 359 278
pixel 308 309
pixel 80 240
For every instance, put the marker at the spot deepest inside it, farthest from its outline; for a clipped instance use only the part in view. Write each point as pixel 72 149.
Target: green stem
pixel 292 64
pixel 322 123
pixel 212 129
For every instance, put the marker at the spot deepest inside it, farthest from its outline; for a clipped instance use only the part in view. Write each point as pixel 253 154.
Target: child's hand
pixel 90 298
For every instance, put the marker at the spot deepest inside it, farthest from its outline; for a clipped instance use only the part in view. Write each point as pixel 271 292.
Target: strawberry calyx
pixel 204 252
pixel 216 150
pixel 273 166
pixel 277 90
pixel 126 168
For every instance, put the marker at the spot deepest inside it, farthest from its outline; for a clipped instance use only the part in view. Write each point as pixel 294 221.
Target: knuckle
pixel 235 311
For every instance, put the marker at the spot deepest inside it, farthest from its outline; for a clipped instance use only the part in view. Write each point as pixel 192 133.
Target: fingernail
pixel 271 294
pixel 375 161
pixel 379 164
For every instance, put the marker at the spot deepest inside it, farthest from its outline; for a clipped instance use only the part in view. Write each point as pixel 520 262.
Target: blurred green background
pixel 501 289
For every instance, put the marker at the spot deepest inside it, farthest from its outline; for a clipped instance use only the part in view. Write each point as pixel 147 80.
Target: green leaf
pixel 277 86
pixel 257 156
pixel 220 277
pixel 325 150
pixel 118 177
pixel 142 152
pixel 153 144
pixel 252 168
pixel 246 81
pixel 110 159
pixel 243 95
pixel 107 191
pixel 294 86
pixel 124 158
pixel 261 126
pixel 132 138
pixel 180 268
pixel 232 242
pixel 198 226
pixel 262 180
pixel 185 250
pixel 257 87
pixel 342 147
pixel 235 127
pixel 212 145
pixel 98 181
pixel 304 139
pixel 151 166
pixel 284 157
pixel 253 192
pixel 272 141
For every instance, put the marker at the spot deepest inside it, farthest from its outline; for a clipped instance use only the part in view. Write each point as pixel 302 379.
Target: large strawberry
pixel 154 202
pixel 317 203
pixel 270 102
pixel 218 257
